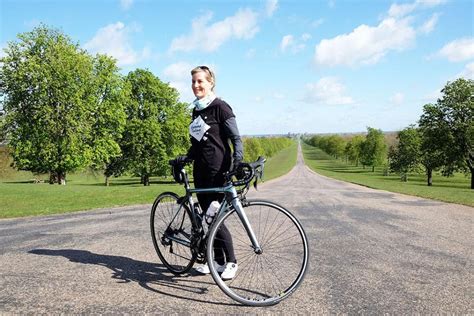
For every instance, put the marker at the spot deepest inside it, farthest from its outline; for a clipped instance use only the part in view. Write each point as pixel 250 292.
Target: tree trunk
pixel 373 168
pixel 403 177
pixel 107 181
pixel 470 165
pixel 472 177
pixel 61 176
pixel 429 174
pixel 52 177
pixel 146 180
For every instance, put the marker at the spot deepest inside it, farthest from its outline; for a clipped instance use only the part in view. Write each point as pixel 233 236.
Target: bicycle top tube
pixel 227 188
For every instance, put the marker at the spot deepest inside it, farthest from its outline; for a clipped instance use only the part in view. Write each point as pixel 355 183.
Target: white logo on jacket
pixel 198 128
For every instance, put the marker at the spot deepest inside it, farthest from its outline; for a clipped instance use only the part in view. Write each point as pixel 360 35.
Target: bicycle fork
pixel 237 205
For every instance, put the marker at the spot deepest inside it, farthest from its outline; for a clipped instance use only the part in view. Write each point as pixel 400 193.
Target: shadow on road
pixel 150 276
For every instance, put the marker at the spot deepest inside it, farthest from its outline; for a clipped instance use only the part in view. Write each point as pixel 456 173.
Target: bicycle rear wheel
pixel 171 232
pixel 271 276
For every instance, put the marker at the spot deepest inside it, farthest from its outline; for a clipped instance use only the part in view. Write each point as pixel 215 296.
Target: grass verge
pixel 281 163
pixel 20 197
pixel 454 189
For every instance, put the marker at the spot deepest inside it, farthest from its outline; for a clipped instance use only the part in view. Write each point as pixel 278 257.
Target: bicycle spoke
pixel 268 277
pixel 171 221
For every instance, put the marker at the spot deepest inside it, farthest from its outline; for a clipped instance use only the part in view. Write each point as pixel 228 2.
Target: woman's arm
pixel 232 132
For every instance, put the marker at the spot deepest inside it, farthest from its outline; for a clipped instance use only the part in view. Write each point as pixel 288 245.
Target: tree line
pixel 264 146
pixel 369 150
pixel 442 140
pixel 65 110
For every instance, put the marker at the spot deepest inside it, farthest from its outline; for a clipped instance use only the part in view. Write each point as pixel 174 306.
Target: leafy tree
pixel 156 127
pixel 335 145
pixel 45 82
pixel 252 148
pixel 457 105
pixel 435 139
pixel 108 116
pixel 62 110
pixel 3 135
pixel 353 149
pixel 405 156
pixel 373 149
pixel 447 131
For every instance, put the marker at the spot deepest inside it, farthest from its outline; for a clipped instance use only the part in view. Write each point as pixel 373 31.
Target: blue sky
pixel 315 66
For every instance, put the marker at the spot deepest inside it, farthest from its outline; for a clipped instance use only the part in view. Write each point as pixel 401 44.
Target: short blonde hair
pixel 209 74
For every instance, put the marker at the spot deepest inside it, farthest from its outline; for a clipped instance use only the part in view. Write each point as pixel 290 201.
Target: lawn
pixel 20 197
pixel 454 189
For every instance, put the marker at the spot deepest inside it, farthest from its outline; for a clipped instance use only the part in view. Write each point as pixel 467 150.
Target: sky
pixel 284 66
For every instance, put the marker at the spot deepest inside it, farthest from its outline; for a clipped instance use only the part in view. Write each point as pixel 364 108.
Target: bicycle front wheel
pixel 268 277
pixel 171 232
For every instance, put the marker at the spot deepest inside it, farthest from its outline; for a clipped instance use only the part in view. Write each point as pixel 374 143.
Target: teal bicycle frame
pixel 231 201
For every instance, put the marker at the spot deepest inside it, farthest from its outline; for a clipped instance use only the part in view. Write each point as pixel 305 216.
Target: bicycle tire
pixel 267 278
pixel 164 225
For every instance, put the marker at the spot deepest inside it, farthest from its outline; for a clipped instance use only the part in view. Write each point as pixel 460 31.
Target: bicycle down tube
pixel 231 194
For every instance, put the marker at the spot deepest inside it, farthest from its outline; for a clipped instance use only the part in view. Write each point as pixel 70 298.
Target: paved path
pixel 372 252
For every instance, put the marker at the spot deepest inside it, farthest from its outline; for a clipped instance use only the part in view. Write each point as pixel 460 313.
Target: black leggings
pixel 223 246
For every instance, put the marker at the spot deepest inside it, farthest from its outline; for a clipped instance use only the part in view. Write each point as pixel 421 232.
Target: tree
pixel 405 156
pixel 447 131
pixel 61 104
pixel 435 138
pixel 45 82
pixel 156 127
pixel 335 146
pixel 108 115
pixel 3 135
pixel 373 149
pixel 457 105
pixel 353 149
pixel 252 148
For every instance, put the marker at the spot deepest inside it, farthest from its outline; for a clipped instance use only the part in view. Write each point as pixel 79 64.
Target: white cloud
pixel 270 7
pixel 397 98
pixel 468 72
pixel 209 37
pixel 295 45
pixel 400 10
pixel 365 44
pixel 433 96
pixel 429 25
pixel 179 77
pixel 126 4
pixel 458 50
pixel 286 41
pixel 114 40
pixel 327 91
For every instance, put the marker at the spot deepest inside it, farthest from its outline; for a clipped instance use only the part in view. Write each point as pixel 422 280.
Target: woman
pixel 213 125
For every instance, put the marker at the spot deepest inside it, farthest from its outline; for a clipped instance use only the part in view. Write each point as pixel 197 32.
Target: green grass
pixel 454 189
pixel 281 163
pixel 20 197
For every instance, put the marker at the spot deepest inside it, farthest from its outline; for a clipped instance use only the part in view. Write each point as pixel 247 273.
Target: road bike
pixel 270 244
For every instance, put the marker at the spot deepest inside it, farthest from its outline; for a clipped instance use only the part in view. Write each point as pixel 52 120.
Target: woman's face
pixel 201 86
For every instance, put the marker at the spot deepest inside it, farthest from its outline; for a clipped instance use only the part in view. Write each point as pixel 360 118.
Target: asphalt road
pixel 371 252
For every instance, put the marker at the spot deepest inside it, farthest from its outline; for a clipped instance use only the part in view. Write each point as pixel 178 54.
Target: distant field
pixel 20 197
pixel 454 189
